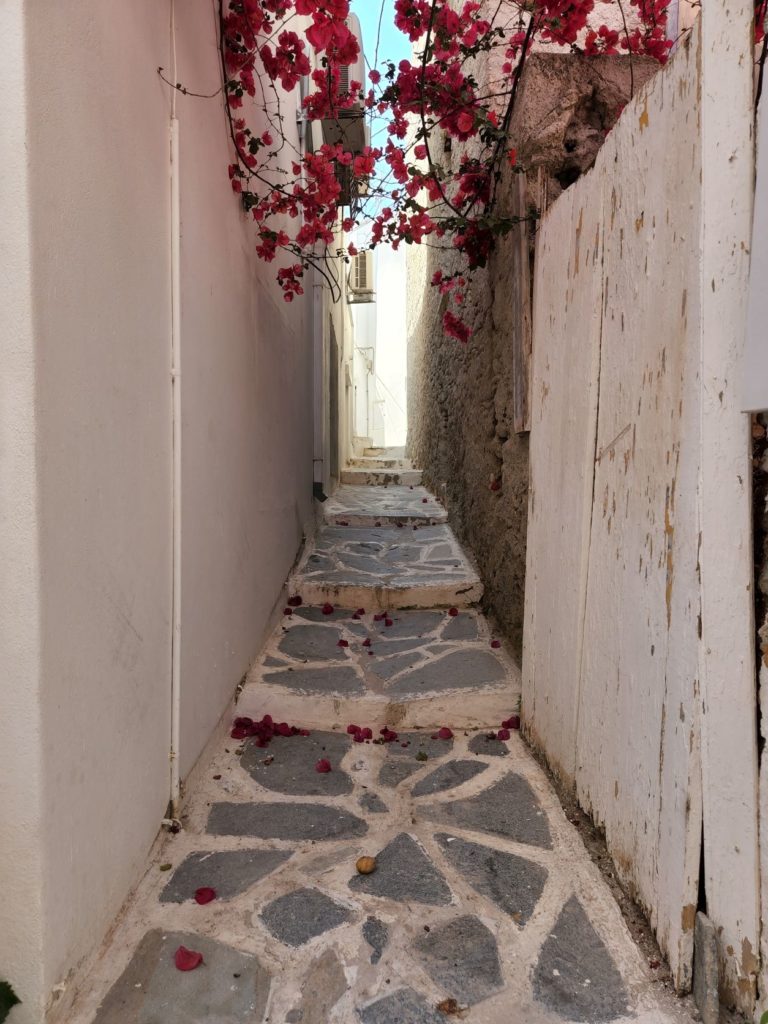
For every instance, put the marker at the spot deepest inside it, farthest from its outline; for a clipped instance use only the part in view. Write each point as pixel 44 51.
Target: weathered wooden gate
pixel 638 655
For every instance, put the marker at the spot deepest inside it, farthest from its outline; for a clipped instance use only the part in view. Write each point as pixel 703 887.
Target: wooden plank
pixel 567 304
pixel 638 768
pixel 729 728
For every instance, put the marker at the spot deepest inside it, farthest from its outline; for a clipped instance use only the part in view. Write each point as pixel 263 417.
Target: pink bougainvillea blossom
pixel 323 766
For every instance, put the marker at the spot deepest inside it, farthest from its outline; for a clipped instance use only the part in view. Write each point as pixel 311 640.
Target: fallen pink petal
pixel 295 602
pixel 453 612
pixel 328 609
pixel 503 734
pixel 496 644
pixel 343 643
pixel 205 895
pixel 323 766
pixel 187 959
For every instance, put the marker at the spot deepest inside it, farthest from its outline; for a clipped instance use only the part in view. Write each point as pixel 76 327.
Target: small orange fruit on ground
pixel 366 865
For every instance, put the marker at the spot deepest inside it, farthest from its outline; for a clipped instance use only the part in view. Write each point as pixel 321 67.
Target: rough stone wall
pixel 465 417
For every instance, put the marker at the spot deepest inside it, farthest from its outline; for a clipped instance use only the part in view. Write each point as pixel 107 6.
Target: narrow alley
pixel 402 859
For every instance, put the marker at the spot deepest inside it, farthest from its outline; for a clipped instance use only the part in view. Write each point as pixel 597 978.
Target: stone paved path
pixel 483 906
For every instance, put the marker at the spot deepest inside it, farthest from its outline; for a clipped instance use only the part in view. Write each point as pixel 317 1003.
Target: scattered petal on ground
pixel 187 959
pixel 205 895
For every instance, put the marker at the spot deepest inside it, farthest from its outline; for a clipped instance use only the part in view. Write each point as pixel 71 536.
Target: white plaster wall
pixel 21 922
pixel 97 149
pixel 391 344
pixel 246 401
pixel 86 530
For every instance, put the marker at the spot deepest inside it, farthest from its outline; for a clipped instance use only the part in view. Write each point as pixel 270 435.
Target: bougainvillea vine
pixel 443 125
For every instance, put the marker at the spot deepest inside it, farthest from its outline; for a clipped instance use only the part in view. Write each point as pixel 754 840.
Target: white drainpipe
pixel 176 390
pixel 175 796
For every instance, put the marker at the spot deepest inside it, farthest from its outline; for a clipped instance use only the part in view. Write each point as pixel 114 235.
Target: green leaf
pixel 764 1018
pixel 8 999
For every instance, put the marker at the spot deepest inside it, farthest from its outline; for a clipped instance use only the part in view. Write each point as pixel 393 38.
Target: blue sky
pixel 393 44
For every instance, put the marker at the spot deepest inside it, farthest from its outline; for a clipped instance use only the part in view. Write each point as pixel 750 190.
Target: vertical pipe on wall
pixel 176 440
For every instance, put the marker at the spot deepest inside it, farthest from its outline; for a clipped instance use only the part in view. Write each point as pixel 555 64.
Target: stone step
pixel 377 506
pixel 371 463
pixel 381 477
pixel 384 453
pixel 412 669
pixel 386 567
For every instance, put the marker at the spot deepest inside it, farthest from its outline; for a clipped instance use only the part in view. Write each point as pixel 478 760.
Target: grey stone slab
pixel 376 934
pixel 404 874
pixel 481 744
pixel 386 647
pixel 289 821
pixel 229 872
pixel 312 613
pixel 509 809
pixel 461 956
pixel 401 1007
pixel 402 761
pixel 319 562
pixel 302 915
pixel 341 679
pixel 393 773
pixel 575 975
pixel 419 743
pixel 402 554
pixel 270 662
pixel 321 989
pixel 373 804
pixel 462 627
pixel 706 970
pixel 461 670
pixel 512 883
pixel 411 624
pixel 361 563
pixel 288 766
pixel 448 776
pixel 385 668
pixel 312 643
pixel 229 987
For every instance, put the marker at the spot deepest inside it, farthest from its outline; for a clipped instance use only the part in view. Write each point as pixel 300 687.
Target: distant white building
pixel 378 295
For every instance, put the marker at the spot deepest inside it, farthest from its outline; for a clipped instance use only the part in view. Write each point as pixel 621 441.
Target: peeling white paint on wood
pixel 727 655
pixel 612 654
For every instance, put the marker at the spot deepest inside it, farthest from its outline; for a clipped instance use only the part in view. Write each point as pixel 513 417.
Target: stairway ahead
pixel 386 631
pixel 406 862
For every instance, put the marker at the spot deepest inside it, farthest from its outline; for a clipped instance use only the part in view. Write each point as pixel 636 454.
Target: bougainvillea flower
pixel 503 734
pixel 367 642
pixel 495 644
pixel 343 643
pixel 187 959
pixel 388 622
pixel 453 612
pixel 205 895
pixel 379 616
pixel 328 609
pixel 387 735
pixel 360 612
pixel 443 734
pixel 287 611
pixel 295 602
pixel 512 723
pixel 323 766
pixel 352 729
